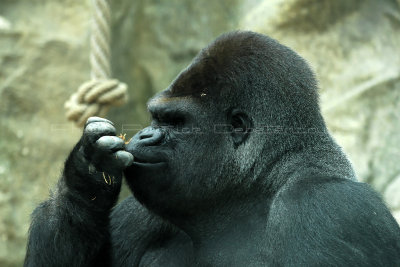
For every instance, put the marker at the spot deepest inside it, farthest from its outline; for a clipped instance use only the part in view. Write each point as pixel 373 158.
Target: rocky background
pixel 353 46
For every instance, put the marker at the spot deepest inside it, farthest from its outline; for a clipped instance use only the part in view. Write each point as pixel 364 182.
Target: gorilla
pixel 236 169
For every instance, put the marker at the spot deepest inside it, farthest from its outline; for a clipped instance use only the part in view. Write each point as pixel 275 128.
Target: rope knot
pixel 94 98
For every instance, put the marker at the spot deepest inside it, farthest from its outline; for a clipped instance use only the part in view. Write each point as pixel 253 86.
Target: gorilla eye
pixel 169 119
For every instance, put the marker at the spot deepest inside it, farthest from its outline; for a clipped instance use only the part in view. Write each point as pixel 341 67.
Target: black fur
pixel 237 169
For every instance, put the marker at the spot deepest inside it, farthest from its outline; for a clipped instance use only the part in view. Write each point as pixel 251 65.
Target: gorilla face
pixel 180 159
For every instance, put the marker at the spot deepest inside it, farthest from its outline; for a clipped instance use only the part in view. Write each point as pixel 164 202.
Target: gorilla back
pixel 237 168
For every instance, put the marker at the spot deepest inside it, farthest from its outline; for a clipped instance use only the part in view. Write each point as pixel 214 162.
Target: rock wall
pixel 352 45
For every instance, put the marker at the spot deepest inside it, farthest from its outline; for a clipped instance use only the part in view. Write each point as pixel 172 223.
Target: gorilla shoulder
pixel 344 217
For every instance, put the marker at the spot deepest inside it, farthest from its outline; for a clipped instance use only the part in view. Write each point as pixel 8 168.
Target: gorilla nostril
pixel 145 136
pixel 150 137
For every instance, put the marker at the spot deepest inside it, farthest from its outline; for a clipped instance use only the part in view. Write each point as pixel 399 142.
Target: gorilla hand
pixel 94 169
pixel 102 148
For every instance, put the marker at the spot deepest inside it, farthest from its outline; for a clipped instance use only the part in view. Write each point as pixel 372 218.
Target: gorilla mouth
pixel 147 157
pixel 147 162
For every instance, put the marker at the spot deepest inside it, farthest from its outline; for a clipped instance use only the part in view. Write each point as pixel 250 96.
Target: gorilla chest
pixel 177 251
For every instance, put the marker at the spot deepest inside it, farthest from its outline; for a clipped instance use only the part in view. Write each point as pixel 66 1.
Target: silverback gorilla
pixel 236 169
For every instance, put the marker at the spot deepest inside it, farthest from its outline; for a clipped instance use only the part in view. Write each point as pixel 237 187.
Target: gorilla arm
pixel 145 239
pixel 71 228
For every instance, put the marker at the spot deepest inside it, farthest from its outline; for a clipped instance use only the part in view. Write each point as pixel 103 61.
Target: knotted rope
pixel 95 97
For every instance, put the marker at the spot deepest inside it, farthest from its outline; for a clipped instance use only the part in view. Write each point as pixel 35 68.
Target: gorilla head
pixel 223 125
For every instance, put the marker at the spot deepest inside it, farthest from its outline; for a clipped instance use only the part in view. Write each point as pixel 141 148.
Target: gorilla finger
pixel 110 143
pixel 124 159
pixel 97 119
pixel 95 130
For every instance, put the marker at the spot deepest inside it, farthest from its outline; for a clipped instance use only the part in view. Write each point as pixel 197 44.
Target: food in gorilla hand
pixel 123 137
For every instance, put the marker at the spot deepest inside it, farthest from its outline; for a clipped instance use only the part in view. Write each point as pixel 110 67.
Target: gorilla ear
pixel 241 126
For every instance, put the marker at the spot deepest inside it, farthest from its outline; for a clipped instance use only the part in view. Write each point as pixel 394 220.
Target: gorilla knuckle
pixel 123 158
pixel 97 119
pixel 100 128
pixel 109 142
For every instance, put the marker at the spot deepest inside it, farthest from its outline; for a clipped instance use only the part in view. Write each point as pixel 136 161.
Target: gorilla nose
pixel 149 136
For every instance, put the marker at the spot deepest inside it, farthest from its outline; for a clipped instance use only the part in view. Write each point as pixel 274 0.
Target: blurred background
pixel 353 46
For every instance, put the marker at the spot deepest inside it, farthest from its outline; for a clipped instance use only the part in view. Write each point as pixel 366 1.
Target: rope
pixel 95 97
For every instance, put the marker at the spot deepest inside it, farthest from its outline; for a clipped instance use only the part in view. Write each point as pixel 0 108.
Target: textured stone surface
pixel 41 61
pixel 352 45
